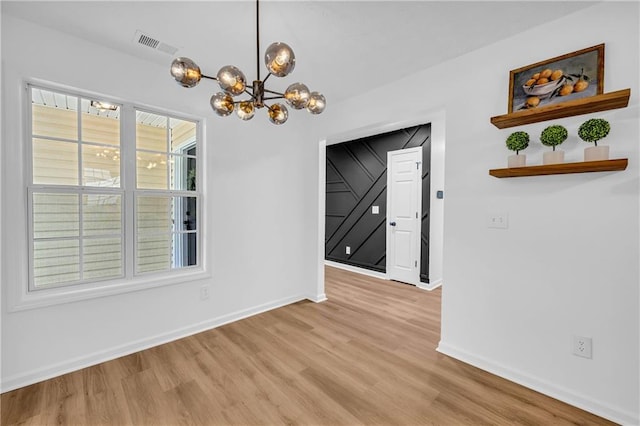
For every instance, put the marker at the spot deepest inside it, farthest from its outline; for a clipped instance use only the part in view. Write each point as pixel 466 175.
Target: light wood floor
pixel 366 356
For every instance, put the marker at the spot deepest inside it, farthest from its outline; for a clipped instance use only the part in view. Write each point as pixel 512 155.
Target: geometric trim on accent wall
pixel 356 181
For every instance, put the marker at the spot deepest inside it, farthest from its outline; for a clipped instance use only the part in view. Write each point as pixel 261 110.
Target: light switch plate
pixel 375 209
pixel 204 292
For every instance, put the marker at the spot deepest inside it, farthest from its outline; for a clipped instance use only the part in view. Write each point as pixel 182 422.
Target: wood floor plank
pixel 366 356
pixel 146 401
pixel 303 394
pixel 105 408
pixel 193 406
pixel 343 392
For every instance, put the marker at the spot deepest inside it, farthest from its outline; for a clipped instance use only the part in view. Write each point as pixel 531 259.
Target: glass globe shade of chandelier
pixel 280 62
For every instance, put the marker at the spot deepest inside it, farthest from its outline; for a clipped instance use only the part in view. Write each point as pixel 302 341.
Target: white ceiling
pixel 342 47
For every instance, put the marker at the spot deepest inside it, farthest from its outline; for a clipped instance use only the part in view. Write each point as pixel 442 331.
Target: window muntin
pixel 77 192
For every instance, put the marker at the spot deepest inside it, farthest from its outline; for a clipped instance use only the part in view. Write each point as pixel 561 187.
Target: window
pixel 113 191
pixel 166 208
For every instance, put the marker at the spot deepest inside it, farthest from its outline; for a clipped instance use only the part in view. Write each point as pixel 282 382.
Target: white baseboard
pixel 565 395
pixel 68 366
pixel 429 286
pixel 318 298
pixel 350 268
pixel 380 275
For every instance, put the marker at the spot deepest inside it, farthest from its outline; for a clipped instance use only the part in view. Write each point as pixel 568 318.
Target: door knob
pixel 392 223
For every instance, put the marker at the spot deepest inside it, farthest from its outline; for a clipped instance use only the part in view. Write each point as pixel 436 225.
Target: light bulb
pixel 231 80
pixel 297 95
pixel 278 114
pixel 317 103
pixel 222 104
pixel 246 110
pixel 186 72
pixel 104 106
pixel 279 59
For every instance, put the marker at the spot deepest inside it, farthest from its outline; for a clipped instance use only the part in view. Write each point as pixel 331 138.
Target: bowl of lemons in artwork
pixel 543 83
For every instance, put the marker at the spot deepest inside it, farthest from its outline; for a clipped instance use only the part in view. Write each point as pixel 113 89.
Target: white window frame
pixel 24 296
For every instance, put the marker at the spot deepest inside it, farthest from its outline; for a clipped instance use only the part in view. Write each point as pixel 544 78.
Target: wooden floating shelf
pixel 562 168
pixel 606 101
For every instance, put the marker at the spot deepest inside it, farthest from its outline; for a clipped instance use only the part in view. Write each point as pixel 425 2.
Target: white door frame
pixel 417 238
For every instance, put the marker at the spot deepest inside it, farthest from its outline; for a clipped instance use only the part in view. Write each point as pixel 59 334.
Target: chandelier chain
pixel 258 40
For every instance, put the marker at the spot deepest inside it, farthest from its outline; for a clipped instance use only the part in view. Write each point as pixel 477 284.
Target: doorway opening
pixel 333 242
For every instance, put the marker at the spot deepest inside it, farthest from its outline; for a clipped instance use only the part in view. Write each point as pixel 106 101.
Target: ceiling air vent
pixel 148 41
pixel 153 43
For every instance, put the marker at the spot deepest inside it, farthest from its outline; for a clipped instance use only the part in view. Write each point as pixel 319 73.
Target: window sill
pixel 56 296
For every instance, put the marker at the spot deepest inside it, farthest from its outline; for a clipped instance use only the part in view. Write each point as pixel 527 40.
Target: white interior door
pixel 404 201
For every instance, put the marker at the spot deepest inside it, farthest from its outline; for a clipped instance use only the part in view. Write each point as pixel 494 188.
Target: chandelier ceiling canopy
pixel 280 62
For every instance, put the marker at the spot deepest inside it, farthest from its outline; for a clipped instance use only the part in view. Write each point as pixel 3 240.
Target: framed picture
pixel 572 76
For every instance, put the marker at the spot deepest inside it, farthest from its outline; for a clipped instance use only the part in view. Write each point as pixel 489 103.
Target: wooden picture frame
pixel 583 70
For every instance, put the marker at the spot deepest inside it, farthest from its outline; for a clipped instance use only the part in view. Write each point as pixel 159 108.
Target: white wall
pixel 568 264
pixel 260 226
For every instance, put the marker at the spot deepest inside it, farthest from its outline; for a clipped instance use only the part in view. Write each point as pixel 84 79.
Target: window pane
pixel 55 215
pixel 100 166
pixel 151 131
pixel 154 253
pixel 183 133
pixel 153 215
pixel 100 125
pixel 184 250
pixel 54 114
pixel 55 163
pixel 151 170
pixel 55 262
pixel 184 214
pixel 183 173
pixel 101 214
pixel 185 226
pixel 102 258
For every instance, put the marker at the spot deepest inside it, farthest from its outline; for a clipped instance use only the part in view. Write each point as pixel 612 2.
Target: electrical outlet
pixel 498 220
pixel 204 292
pixel 582 346
pixel 347 250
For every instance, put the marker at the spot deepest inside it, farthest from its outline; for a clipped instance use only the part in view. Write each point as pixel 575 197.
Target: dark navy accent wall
pixel 356 181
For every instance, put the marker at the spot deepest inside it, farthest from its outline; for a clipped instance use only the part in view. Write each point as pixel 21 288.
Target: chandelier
pixel 280 62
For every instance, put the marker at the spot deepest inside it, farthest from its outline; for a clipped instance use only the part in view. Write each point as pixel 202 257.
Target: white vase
pixel 553 157
pixel 596 153
pixel 517 160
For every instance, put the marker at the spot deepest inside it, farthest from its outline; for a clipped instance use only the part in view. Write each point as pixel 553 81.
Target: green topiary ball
pixel 593 130
pixel 517 141
pixel 554 135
